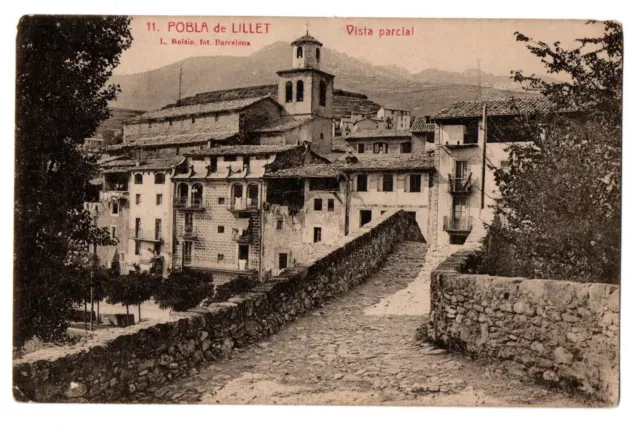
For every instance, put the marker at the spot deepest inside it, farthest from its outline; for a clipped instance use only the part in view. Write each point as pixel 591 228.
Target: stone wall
pixel 563 332
pixel 131 362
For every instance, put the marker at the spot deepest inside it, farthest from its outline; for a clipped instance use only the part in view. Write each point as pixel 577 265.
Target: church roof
pixel 172 140
pixel 195 109
pixel 306 39
pixel 283 124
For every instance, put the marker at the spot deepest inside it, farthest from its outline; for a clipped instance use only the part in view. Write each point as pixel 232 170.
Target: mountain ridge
pixel 423 93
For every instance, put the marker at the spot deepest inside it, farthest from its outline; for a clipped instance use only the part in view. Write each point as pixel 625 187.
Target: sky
pixel 445 44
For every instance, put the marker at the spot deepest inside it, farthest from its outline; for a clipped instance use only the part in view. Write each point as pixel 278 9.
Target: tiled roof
pixel 344 103
pixel 397 162
pixel 338 144
pixel 365 163
pixel 378 133
pixel 285 123
pixel 180 139
pixel 159 163
pixel 244 150
pixel 195 109
pixel 305 39
pixel 421 124
pixel 308 171
pixel 229 95
pixel 496 107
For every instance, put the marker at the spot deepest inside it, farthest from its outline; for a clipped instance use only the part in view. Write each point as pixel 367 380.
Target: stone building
pixel 423 132
pixel 383 141
pixel 462 163
pixel 395 118
pixel 218 205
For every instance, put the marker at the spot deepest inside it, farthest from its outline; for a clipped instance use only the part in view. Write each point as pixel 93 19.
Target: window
pixel 461 169
pixel 177 151
pixel 365 217
pixel 220 200
pixel 317 235
pixel 220 257
pixel 382 212
pixel 317 204
pixel 243 252
pixel 115 208
pixel 138 247
pixel 138 199
pixel 193 120
pixel 113 231
pixel 323 93
pixel 137 179
pixel 300 91
pixel 229 158
pixel 457 239
pixel 170 122
pixel 387 182
pixel 220 229
pixel 188 223
pixel 196 195
pixel 149 124
pixel 459 212
pixel 159 179
pixel 299 52
pixel 360 148
pixel 158 229
pixel 186 255
pixel 214 164
pixel 282 260
pixel 381 148
pixel 182 194
pixel 361 183
pixel 317 53
pixel 405 147
pixel 415 183
pixel 321 135
pixel 279 223
pixel 330 205
pixel 158 199
pixel 288 92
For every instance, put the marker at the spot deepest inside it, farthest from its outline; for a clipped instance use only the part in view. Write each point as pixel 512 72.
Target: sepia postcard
pixel 317 211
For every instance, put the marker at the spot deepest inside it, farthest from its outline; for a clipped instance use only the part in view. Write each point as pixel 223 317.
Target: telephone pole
pixel 180 84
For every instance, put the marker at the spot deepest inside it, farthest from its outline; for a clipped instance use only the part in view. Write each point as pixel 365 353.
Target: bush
pixel 184 290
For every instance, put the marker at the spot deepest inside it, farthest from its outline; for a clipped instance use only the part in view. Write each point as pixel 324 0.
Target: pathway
pixel 360 349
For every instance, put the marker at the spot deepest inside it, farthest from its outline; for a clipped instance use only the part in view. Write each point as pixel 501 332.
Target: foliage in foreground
pixel 184 290
pixel 560 210
pixel 63 66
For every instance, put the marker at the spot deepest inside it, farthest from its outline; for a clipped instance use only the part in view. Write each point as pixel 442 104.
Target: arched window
pixel 300 91
pixel 317 53
pixel 252 195
pixel 159 178
pixel 323 93
pixel 299 52
pixel 196 195
pixel 236 195
pixel 288 92
pixel 137 179
pixel 182 194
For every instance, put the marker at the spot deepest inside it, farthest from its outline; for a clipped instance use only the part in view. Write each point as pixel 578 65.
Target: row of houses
pixel 254 180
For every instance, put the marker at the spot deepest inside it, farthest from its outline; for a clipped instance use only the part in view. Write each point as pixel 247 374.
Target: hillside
pixel 423 93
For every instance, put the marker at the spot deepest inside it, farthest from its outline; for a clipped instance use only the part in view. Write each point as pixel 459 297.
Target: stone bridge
pixel 348 345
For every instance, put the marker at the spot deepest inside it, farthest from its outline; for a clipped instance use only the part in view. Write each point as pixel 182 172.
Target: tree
pixel 561 195
pixel 63 66
pixel 184 290
pixel 132 289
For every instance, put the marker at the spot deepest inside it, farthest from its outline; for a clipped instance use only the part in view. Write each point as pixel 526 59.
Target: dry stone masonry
pixel 160 353
pixel 563 332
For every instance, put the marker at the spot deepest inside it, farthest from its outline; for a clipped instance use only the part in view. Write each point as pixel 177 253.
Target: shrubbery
pixel 560 209
pixel 183 290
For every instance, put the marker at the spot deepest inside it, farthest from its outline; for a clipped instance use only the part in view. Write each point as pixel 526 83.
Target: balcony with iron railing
pixel 459 226
pixel 145 235
pixel 190 233
pixel 184 203
pixel 244 205
pixel 460 185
